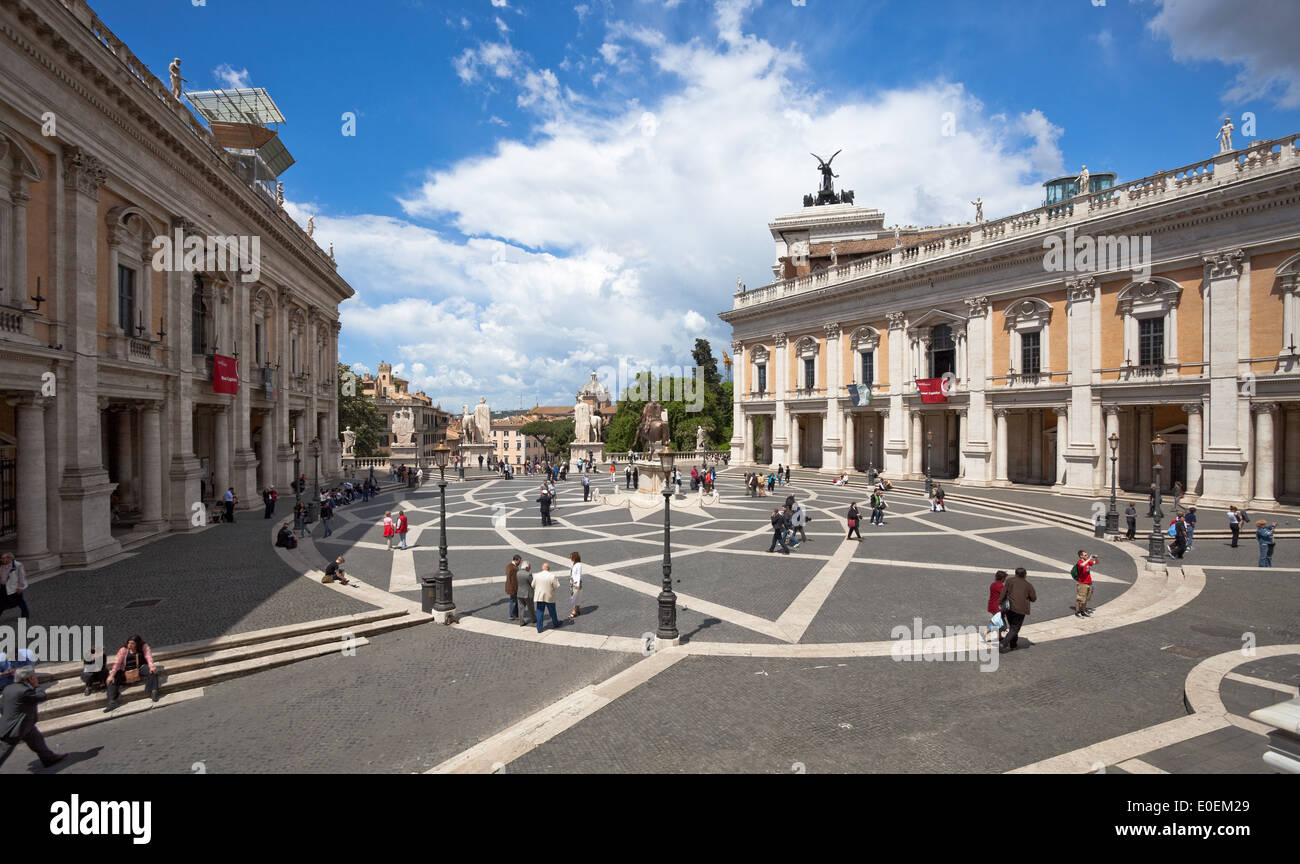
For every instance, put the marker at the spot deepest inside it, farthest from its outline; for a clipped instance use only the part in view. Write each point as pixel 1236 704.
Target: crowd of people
pixel 532 595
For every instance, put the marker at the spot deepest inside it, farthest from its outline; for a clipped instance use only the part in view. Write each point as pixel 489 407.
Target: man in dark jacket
pixel 512 587
pixel 19 719
pixel 545 502
pixel 1021 594
pixel 779 528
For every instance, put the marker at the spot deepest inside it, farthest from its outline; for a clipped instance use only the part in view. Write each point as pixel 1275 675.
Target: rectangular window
pixel 1030 346
pixel 1151 341
pixel 809 372
pixel 868 367
pixel 126 298
pixel 762 378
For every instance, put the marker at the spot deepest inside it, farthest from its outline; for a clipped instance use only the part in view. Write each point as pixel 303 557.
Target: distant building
pixel 390 393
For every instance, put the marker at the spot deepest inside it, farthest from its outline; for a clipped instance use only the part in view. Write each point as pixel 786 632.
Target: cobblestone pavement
pixel 223 579
pixel 411 699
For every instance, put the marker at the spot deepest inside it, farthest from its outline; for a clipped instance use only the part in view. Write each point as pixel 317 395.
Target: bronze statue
pixel 653 428
pixel 824 166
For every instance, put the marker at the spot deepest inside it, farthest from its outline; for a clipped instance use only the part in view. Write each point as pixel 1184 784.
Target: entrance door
pixel 1177 466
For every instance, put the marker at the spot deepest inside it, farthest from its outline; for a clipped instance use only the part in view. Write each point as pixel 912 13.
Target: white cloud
pixel 501 4
pixel 1258 36
pixel 587 237
pixel 232 78
pixel 501 25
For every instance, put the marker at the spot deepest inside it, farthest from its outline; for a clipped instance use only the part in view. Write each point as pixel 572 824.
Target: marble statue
pixel 700 438
pixel 482 421
pixel 331 250
pixel 834 255
pixel 349 442
pixel 582 422
pixel 897 241
pixel 311 225
pixel 1083 181
pixel 467 427
pixel 279 193
pixel 597 427
pixel 1225 136
pixel 175 70
pixel 979 209
pixel 739 287
pixel 403 427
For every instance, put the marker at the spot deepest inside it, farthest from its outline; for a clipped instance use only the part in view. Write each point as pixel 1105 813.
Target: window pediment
pixel 865 339
pixel 1155 296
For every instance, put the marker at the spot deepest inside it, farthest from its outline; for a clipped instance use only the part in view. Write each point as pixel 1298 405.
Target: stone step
pixel 196 671
pixel 59 671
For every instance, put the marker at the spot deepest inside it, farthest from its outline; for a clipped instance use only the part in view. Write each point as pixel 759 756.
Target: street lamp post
pixel 1112 515
pixel 315 455
pixel 929 478
pixel 435 591
pixel 871 448
pixel 667 599
pixel 297 469
pixel 1156 544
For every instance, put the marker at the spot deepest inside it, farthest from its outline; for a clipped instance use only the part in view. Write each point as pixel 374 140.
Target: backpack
pixel 1074 572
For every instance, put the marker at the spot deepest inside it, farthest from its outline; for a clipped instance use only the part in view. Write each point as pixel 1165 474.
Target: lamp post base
pixel 1156 548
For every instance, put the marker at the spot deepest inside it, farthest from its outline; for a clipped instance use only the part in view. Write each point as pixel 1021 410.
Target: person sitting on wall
pixel 285 538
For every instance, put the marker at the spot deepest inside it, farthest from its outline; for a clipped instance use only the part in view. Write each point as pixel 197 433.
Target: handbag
pixel 133 676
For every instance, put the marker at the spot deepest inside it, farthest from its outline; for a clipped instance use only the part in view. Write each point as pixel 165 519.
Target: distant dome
pixel 594 390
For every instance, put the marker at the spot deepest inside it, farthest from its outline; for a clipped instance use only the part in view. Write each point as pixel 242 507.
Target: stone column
pixel 976 467
pixel 850 441
pixel 832 444
pixel 1144 476
pixel 30 469
pixel 892 455
pixel 1291 454
pixel 1263 456
pixel 268 448
pixel 1223 462
pixel 1062 425
pixel 151 491
pixel 963 436
pixel 795 453
pixel 781 444
pixel 1080 441
pixel 1193 410
pixel 18 258
pixel 1001 470
pixel 221 479
pixel 126 491
pixel 918 443
pixel 739 424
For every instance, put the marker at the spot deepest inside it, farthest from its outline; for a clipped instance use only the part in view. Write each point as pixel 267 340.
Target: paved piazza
pixel 784 664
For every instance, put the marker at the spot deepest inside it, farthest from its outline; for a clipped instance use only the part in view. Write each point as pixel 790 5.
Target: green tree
pixel 555 436
pixel 358 412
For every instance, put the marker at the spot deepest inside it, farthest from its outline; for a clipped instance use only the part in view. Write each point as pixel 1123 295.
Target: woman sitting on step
pixel 134 659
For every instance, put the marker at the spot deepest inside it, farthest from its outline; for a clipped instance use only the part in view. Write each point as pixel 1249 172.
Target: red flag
pixel 931 390
pixel 225 374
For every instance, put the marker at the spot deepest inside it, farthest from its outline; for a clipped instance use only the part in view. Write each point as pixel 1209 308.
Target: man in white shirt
pixel 14 579
pixel 545 584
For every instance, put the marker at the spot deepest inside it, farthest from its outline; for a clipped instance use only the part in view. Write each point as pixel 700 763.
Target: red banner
pixel 225 374
pixel 931 390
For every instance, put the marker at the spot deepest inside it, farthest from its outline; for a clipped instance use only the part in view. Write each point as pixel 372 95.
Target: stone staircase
pixel 188 667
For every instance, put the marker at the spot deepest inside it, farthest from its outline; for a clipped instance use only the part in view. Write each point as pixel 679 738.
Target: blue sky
pixel 538 189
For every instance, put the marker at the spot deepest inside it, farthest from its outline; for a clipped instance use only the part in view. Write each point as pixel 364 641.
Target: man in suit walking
pixel 524 585
pixel 19 701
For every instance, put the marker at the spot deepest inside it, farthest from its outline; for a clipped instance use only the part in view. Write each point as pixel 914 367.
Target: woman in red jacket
pixel 995 596
pixel 401 526
pixel 133 660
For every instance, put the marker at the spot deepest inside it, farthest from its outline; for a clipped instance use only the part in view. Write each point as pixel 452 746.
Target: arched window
pixel 198 318
pixel 943 351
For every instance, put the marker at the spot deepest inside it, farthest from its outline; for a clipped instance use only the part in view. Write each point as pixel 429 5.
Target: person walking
pixel 797 519
pixel 778 532
pixel 575 584
pixel 1264 534
pixel 326 514
pixel 878 508
pixel 1189 520
pixel 20 714
pixel 1179 547
pixel 402 527
pixel 545 584
pixel 627 476
pixel 1131 517
pixel 1082 573
pixel 512 587
pixel 1019 594
pixel 230 499
pixel 389 529
pixel 938 498
pixel 13 577
pixel 854 519
pixel 586 488
pixel 300 518
pixel 1234 525
pixel 524 577
pixel 998 622
pixel 544 502
pixel 268 501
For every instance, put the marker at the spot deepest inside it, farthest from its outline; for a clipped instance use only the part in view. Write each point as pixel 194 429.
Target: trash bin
pixel 313 511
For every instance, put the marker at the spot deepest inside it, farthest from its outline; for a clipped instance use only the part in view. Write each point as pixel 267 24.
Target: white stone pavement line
pixel 1289 689
pixel 508 745
pixel 1137 766
pixel 799 615
pixel 402 574
pixel 714 610
pixel 1252 568
pixel 1202 693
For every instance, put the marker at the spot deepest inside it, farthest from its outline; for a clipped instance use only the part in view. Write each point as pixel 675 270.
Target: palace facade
pixel 1042 357
pixel 132 393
